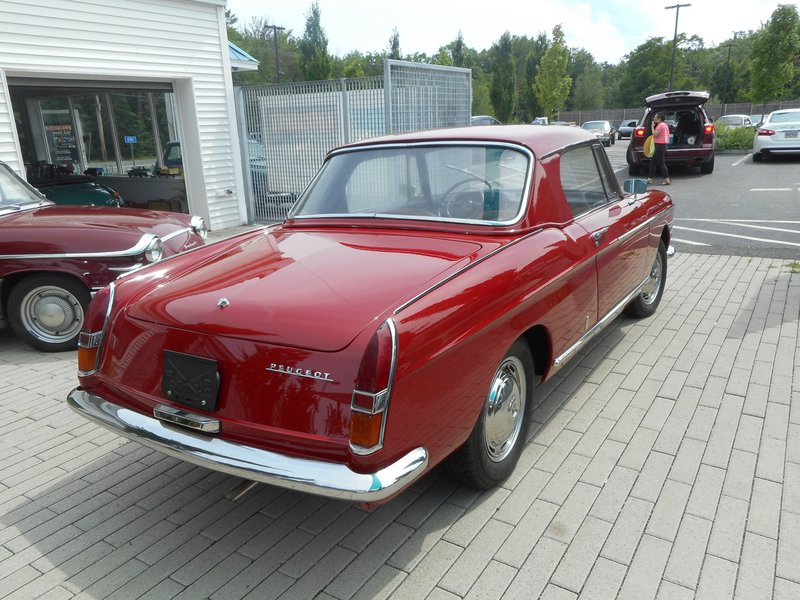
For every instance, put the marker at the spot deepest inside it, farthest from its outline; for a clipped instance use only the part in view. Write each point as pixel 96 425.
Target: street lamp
pixel 677 8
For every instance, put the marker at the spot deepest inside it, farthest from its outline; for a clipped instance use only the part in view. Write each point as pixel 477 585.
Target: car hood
pixel 79 230
pixel 307 289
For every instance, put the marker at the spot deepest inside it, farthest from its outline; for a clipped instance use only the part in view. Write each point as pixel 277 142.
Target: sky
pixel 608 29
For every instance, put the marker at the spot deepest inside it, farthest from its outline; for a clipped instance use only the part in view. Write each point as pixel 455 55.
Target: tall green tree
pixel 776 50
pixel 553 82
pixel 314 58
pixel 504 79
pixel 587 90
pixel 394 45
pixel 645 71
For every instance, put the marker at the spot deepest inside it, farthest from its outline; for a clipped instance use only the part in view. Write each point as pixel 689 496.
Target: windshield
pixel 14 192
pixel 479 183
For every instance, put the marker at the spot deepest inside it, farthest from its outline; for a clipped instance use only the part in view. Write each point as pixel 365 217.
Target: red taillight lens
pixel 709 128
pixel 373 375
pixel 373 390
pixel 766 132
pixel 94 324
pixel 639 132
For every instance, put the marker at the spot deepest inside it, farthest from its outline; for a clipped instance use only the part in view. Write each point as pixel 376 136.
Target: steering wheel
pixel 465 199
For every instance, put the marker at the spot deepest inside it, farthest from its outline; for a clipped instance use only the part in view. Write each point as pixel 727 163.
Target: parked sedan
pixel 67 188
pixel 778 134
pixel 401 316
pixel 626 127
pixel 52 258
pixel 603 130
pixel 735 121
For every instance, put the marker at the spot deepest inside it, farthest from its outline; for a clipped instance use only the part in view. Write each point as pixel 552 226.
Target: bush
pixel 734 138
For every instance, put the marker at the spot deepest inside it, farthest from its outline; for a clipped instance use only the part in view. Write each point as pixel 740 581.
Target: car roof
pixel 540 140
pixel 677 98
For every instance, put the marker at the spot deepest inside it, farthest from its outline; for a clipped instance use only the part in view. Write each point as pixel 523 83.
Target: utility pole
pixel 728 77
pixel 275 30
pixel 677 8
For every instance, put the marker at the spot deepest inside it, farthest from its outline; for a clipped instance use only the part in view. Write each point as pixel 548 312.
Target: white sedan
pixel 778 134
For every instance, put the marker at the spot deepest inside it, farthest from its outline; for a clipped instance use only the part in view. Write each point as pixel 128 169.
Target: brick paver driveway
pixel 664 462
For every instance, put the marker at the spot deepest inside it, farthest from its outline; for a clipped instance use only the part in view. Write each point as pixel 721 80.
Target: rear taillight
pixel 709 128
pixel 639 132
pixel 372 391
pixel 765 132
pixel 94 325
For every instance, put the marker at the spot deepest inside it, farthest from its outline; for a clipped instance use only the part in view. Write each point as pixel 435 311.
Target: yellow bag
pixel 649 147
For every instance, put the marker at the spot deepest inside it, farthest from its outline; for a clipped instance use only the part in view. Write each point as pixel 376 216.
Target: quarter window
pixel 585 180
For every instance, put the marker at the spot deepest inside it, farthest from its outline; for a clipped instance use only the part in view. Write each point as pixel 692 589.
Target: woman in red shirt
pixel 660 141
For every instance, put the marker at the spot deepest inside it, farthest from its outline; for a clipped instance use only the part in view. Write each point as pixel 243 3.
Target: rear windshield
pixel 786 117
pixel 477 183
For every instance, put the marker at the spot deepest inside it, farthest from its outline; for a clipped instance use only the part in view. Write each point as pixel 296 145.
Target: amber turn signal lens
pixel 87 359
pixel 365 429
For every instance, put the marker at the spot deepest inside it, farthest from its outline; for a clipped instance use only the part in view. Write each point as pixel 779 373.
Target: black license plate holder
pixel 191 380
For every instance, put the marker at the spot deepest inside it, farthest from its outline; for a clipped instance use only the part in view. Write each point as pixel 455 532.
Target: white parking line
pixel 771 190
pixel 691 243
pixel 741 160
pixel 739 237
pixel 751 224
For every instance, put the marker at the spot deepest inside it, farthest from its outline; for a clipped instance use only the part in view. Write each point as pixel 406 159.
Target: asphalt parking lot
pixel 664 463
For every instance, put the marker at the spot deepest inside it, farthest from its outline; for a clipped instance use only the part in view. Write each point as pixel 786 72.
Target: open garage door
pixel 91 142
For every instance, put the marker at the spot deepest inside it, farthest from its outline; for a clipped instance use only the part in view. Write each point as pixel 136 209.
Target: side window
pixel 586 184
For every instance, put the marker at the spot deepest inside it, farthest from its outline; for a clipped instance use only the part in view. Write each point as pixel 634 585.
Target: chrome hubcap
pixel 505 406
pixel 51 314
pixel 653 284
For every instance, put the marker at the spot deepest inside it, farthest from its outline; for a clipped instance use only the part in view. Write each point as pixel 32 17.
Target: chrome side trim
pixel 332 480
pixel 464 269
pixel 601 324
pixel 169 236
pixel 138 248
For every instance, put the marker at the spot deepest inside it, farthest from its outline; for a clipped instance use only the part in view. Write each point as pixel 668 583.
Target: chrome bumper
pixel 332 480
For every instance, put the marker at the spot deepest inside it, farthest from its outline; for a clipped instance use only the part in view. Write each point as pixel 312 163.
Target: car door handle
pixel 597 236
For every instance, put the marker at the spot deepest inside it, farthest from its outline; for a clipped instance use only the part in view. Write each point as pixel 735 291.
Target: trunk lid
pixel 311 289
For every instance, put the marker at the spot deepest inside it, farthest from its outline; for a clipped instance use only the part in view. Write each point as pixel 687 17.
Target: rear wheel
pixel 492 450
pixel 647 301
pixel 46 311
pixel 758 157
pixel 707 167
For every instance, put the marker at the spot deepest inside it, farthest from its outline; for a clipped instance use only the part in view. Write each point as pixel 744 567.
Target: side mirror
pixel 634 186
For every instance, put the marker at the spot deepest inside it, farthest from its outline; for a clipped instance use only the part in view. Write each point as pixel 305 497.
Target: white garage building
pixel 87 53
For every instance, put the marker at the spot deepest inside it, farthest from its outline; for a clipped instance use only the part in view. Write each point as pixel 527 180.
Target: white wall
pixel 179 41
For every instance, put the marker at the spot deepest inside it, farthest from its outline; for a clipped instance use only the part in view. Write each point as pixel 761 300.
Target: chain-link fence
pixel 615 115
pixel 287 129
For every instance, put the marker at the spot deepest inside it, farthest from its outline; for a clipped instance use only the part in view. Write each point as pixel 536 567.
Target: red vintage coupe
pixel 53 257
pixel 401 315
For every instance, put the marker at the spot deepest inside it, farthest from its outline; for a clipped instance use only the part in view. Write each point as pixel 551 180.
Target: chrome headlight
pixel 154 250
pixel 199 226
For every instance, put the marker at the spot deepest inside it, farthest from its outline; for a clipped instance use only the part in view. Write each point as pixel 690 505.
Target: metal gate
pixel 287 129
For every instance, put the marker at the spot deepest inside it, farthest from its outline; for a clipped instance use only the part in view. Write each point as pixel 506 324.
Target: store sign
pixel 130 139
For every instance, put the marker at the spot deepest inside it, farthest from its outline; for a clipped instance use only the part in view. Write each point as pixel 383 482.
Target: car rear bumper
pixel 333 480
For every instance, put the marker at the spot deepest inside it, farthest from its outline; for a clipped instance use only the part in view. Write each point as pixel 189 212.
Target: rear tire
pixel 493 448
pixel 647 301
pixel 707 167
pixel 758 157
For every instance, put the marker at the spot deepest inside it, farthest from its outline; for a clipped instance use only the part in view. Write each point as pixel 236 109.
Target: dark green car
pixel 71 190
